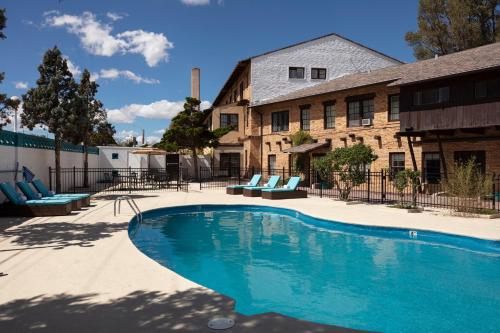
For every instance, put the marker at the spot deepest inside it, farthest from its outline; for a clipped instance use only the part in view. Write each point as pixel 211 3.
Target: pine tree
pixel 90 113
pixel 447 26
pixel 188 130
pixel 6 104
pixel 53 102
pixel 103 135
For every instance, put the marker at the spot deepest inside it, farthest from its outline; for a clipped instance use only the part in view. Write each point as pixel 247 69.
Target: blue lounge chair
pixel 288 191
pixel 255 191
pixel 44 191
pixel 18 206
pixel 238 189
pixel 32 195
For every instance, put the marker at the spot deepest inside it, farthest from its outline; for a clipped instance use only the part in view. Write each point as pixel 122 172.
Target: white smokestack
pixel 195 83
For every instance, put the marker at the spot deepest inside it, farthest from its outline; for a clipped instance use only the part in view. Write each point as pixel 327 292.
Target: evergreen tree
pixel 103 135
pixel 447 26
pixel 188 130
pixel 89 114
pixel 53 102
pixel 6 104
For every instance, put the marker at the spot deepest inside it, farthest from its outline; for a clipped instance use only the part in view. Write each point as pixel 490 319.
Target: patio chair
pixel 238 189
pixel 288 191
pixel 256 190
pixel 45 192
pixel 28 191
pixel 18 206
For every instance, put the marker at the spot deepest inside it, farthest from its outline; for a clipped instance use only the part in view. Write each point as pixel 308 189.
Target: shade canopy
pixel 305 148
pixel 149 151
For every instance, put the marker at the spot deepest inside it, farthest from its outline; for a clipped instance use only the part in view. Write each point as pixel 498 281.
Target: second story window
pixel 329 116
pixel 487 89
pixel 241 90
pixel 279 121
pixel 229 120
pixel 393 107
pixel 305 121
pixel 235 96
pixel 296 72
pixel 431 96
pixel 360 112
pixel 318 73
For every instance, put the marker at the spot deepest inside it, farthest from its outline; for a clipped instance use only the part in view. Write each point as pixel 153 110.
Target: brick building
pixel 425 115
pixel 277 73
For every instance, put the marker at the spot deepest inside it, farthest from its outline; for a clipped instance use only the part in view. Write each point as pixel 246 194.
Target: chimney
pixel 195 83
pixel 142 137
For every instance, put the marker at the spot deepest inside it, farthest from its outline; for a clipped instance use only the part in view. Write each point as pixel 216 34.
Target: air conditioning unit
pixel 366 122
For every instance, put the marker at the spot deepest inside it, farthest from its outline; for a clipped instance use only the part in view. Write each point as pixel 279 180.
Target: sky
pixel 141 52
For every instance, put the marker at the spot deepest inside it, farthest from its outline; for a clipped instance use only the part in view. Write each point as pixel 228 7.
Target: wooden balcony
pixel 450 118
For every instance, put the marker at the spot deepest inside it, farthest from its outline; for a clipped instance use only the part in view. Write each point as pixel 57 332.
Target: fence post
pixel 50 178
pixel 283 173
pixel 74 179
pixel 200 177
pixel 239 176
pixel 179 170
pixel 369 183
pixel 382 187
pixel 493 194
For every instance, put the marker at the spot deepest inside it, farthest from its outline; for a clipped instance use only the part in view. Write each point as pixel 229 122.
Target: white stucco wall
pixel 38 161
pixel 105 156
pixel 269 73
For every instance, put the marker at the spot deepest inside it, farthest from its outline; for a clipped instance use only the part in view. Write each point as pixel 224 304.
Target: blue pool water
pixel 377 279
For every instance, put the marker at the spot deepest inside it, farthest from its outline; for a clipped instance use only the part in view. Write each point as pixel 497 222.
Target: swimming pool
pixel 372 278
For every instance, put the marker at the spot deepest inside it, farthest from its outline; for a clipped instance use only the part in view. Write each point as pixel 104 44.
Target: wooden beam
pixel 441 155
pixel 412 154
pixel 479 130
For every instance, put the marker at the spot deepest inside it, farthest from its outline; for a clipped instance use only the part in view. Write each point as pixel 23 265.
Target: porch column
pixel 412 154
pixel 441 155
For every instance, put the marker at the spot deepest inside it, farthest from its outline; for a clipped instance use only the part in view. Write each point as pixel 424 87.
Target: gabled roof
pixel 459 63
pixel 241 65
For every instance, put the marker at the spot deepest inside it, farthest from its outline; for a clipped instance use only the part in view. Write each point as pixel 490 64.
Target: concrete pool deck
pixel 82 273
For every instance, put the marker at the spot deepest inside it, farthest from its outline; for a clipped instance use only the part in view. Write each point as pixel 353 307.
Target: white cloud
pixel 113 74
pixel 74 69
pixel 162 109
pixel 196 2
pixel 115 16
pixel 127 135
pixel 21 85
pixel 97 38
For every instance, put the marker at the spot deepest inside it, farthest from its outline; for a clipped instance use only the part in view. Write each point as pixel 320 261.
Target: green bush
pixel 345 167
pixel 402 180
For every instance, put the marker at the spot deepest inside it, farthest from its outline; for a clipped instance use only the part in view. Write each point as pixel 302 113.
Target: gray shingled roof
pixel 473 60
pixel 307 147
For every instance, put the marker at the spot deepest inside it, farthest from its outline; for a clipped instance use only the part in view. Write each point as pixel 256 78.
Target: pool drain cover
pixel 220 323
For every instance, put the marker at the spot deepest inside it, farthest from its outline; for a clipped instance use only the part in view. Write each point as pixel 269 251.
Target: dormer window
pixel 318 73
pixel 296 72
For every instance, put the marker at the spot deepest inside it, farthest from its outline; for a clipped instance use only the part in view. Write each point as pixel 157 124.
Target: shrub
pixel 468 184
pixel 345 167
pixel 402 180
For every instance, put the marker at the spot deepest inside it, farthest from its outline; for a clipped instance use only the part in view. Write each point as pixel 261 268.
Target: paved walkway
pixel 81 273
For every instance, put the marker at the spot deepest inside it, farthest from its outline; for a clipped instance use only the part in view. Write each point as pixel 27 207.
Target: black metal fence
pixel 93 180
pixel 377 187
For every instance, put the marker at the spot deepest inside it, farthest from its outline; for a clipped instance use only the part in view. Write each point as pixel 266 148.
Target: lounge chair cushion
pixel 253 182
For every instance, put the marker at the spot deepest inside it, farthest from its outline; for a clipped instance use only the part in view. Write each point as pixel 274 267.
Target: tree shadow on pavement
pixel 61 234
pixel 140 311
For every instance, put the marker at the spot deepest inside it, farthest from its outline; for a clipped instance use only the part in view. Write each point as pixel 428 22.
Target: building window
pixel 359 110
pixel 396 163
pixel 271 164
pixel 279 121
pixel 241 90
pixel 329 109
pixel 318 73
pixel 229 120
pixel 431 96
pixel 487 89
pixel 432 168
pixel 229 163
pixel 305 122
pixel 479 157
pixel 393 107
pixel 235 96
pixel 114 156
pixel 296 72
